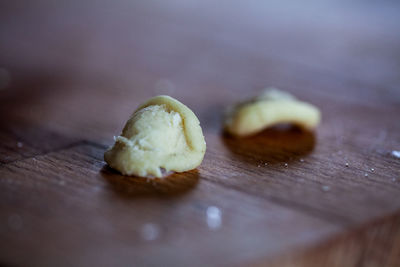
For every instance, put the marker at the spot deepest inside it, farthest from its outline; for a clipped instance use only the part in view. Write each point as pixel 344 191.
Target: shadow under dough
pixel 173 185
pixel 273 145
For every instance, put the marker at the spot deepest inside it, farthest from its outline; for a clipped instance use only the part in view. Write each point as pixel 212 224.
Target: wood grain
pixel 71 74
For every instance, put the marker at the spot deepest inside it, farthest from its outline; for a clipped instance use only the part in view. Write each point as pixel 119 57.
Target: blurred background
pixel 105 57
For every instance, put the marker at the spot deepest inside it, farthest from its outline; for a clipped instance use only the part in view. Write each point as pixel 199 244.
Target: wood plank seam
pixel 71 145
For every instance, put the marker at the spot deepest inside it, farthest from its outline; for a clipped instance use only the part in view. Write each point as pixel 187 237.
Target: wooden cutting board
pixel 73 71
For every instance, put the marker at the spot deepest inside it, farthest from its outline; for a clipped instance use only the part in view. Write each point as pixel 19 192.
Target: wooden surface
pixel 73 71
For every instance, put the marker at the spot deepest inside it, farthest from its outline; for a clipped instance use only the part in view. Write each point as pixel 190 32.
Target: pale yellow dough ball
pixel 161 134
pixel 270 108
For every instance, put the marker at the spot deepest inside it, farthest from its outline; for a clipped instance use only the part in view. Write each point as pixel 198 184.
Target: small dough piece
pixel 270 108
pixel 161 134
